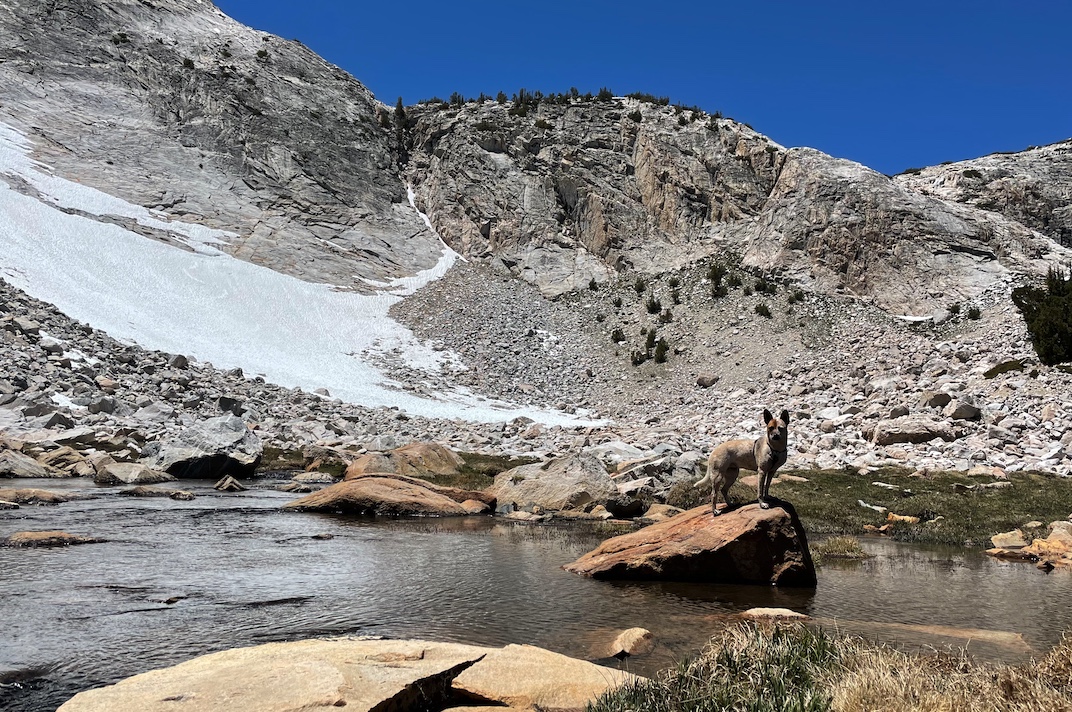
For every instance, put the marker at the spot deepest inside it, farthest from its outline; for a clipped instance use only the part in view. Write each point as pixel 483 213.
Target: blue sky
pixel 892 85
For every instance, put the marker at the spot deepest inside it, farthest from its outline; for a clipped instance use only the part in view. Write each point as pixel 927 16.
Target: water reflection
pixel 179 579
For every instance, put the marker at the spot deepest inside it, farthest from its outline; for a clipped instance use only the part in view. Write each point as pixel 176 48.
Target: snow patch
pixel 209 305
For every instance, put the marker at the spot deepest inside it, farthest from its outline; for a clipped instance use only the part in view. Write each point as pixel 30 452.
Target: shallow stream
pixel 174 580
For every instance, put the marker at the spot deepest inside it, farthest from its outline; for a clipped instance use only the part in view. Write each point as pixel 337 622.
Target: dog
pixel 765 455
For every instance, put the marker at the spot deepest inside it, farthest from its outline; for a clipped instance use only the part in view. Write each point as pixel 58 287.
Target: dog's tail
pixel 706 479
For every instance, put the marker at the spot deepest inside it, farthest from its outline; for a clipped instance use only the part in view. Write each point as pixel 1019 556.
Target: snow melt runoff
pixel 204 303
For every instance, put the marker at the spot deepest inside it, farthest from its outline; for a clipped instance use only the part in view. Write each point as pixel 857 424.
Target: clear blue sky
pixel 889 84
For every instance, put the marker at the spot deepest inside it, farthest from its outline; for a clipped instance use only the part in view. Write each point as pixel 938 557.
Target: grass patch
pixel 828 504
pixel 838 547
pixel 765 668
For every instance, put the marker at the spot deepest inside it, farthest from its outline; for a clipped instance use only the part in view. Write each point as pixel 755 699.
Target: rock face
pixel 744 545
pixel 237 120
pixel 361 675
pixel 1033 187
pixel 382 496
pixel 254 135
pixel 563 483
pixel 567 191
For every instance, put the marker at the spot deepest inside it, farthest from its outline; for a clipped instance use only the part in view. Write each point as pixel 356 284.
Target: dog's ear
pixel 785 417
pixel 767 417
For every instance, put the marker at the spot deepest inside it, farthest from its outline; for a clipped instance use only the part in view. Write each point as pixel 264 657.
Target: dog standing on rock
pixel 764 455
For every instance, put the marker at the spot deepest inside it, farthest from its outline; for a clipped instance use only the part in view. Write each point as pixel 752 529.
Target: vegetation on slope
pixel 1048 313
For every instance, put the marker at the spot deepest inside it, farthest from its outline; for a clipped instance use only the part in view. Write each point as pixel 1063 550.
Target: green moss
pixel 1017 364
pixel 273 458
pixel 479 470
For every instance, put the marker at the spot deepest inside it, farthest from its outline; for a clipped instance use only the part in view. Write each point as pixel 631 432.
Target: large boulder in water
pixel 557 484
pixel 359 675
pixel 388 495
pixel 210 449
pixel 743 545
pixel 415 459
pixel 130 473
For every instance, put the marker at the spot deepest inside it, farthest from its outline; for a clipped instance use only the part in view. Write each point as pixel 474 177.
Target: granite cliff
pixel 172 105
pixel 567 193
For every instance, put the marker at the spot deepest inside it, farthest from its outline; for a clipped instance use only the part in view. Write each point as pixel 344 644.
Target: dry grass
pixel 757 667
pixel 881 679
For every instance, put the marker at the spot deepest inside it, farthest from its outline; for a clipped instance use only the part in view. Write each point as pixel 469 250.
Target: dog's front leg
pixel 763 487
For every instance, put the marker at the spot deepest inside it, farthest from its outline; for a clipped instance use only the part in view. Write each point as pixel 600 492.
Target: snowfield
pixel 206 304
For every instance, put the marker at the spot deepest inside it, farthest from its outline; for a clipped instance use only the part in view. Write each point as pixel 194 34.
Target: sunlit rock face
pixel 1033 187
pixel 574 190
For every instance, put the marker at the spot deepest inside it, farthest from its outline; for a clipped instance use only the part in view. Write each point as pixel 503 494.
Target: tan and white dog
pixel 764 455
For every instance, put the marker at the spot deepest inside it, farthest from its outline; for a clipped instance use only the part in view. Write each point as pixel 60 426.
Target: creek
pixel 174 580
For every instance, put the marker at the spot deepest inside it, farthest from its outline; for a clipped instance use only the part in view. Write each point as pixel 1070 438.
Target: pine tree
pixel 400 121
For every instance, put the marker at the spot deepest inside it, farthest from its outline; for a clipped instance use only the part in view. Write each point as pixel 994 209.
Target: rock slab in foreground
pixel 525 677
pixel 357 675
pixel 744 545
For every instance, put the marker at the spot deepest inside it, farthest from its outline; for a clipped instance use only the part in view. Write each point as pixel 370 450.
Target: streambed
pixel 179 579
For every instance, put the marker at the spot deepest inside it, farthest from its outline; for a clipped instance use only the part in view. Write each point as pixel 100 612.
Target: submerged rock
pixel 391 496
pixel 141 491
pixel 45 539
pixel 33 496
pixel 744 545
pixel 631 642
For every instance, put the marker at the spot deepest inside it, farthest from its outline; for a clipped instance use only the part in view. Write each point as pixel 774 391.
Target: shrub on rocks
pixel 1048 313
